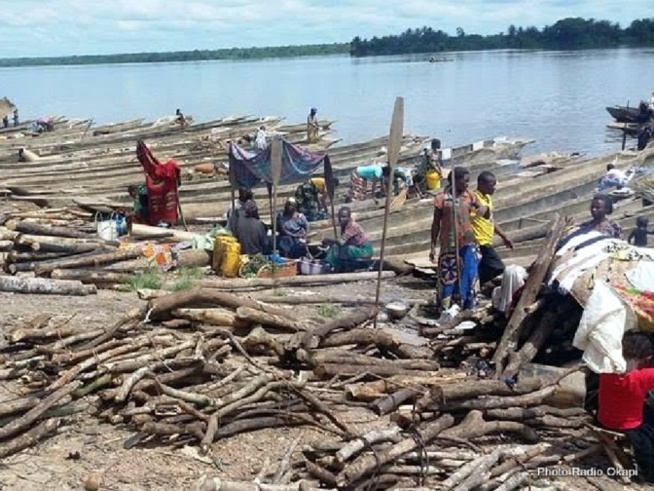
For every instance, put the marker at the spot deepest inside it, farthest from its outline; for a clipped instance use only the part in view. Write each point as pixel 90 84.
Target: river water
pixel 556 98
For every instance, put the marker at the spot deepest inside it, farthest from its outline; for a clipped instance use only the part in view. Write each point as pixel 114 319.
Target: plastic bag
pixel 107 229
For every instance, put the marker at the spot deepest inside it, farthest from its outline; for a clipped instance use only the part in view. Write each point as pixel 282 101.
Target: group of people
pixel 292 228
pixel 463 230
pixel 5 120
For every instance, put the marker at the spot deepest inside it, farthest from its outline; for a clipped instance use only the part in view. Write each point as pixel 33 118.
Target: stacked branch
pixel 199 366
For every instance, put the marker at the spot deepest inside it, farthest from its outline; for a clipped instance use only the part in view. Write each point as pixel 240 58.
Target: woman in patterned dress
pixel 451 229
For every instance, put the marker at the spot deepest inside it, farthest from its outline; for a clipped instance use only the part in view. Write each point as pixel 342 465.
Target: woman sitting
pixel 622 405
pixel 292 227
pixel 250 232
pixel 354 245
pixel 600 207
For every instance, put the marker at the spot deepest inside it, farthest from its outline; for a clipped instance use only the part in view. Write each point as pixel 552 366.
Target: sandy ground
pixel 84 445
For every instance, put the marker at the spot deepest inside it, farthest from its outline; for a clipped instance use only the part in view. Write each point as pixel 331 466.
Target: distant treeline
pixel 570 33
pixel 195 55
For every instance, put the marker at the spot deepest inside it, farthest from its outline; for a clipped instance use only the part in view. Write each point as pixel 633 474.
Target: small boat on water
pixel 624 114
pixel 434 59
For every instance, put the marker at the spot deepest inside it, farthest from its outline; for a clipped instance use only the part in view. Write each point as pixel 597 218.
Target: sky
pixel 78 27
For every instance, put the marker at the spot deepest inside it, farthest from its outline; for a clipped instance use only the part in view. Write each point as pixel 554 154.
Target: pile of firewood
pixel 197 366
pixel 59 252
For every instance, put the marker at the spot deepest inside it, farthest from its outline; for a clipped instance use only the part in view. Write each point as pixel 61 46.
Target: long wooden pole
pixel 276 171
pixel 394 145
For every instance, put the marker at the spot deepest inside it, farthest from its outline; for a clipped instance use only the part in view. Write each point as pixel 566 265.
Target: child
pixel 639 234
pixel 140 196
pixel 622 400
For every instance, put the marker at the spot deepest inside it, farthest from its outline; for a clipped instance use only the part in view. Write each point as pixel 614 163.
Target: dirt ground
pixel 84 445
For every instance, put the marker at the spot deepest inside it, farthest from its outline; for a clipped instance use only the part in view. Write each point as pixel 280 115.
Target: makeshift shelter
pixel 614 283
pixel 247 169
pixel 162 182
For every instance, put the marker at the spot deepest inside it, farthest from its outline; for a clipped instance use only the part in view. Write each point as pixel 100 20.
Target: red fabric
pixel 622 398
pixel 161 183
pixel 162 200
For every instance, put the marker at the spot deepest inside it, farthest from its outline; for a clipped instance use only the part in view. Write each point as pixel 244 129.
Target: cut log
pixel 28 239
pixel 474 426
pixel 68 248
pixel 530 349
pixel 194 258
pixel 391 402
pixel 87 276
pixel 476 466
pixel 255 316
pixel 440 395
pixel 29 438
pixel 22 257
pixel 522 413
pixel 383 340
pixel 325 357
pixel 374 390
pixel 329 370
pixel 498 402
pixel 324 279
pixel 212 316
pixel 31 265
pixel 95 260
pixel 26 420
pixel 532 287
pixel 6 234
pixel 291 299
pixel 32 228
pixel 313 338
pixel 146 231
pixel 197 297
pixel 368 463
pixel 353 447
pixel 44 286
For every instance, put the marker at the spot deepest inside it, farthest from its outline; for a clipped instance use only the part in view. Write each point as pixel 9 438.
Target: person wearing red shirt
pixel 622 398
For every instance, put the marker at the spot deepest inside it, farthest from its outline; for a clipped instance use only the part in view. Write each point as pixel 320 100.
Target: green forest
pixel 570 33
pixel 195 55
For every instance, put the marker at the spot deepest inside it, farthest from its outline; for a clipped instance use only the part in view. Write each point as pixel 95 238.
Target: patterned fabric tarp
pixel 248 168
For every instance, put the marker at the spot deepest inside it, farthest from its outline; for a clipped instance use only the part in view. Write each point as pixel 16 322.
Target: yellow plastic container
pixel 219 251
pixel 231 260
pixel 433 179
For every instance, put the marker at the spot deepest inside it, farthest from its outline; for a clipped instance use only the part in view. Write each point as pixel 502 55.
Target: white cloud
pixel 63 27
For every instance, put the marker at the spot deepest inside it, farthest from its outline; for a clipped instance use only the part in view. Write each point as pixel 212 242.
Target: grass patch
pixel 151 279
pixel 154 279
pixel 185 278
pixel 328 310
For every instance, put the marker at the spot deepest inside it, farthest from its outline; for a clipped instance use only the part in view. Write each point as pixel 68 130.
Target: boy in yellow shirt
pixel 491 264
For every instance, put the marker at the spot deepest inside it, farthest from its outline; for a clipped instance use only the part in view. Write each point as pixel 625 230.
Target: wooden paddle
pixel 394 145
pixel 276 173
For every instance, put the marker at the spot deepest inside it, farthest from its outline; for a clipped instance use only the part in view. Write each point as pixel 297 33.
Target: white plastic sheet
pixel 600 331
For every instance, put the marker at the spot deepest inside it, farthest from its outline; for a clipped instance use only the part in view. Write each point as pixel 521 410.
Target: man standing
pixel 312 126
pixel 491 264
